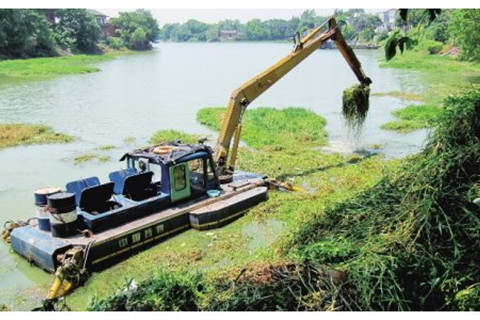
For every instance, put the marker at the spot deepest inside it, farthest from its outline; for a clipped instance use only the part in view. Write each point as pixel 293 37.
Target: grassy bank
pixel 25 134
pixel 440 75
pixel 286 148
pixel 76 64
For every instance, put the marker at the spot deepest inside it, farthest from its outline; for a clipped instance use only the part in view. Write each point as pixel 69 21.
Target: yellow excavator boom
pixel 253 88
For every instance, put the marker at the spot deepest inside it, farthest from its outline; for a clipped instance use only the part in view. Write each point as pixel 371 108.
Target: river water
pixel 134 95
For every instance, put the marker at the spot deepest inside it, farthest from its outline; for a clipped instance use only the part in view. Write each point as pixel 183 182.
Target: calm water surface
pixel 135 95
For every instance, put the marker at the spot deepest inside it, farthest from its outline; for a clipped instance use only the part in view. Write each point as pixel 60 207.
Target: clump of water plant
pixel 14 134
pixel 173 135
pixel 274 129
pixel 106 147
pixel 86 157
pixel 355 107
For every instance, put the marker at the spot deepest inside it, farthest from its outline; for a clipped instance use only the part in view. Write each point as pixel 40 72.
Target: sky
pixel 164 16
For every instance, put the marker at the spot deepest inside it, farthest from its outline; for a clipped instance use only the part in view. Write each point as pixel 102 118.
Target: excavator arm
pixel 253 88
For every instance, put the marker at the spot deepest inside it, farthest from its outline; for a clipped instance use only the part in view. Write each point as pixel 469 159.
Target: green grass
pixel 273 129
pixel 413 117
pixel 76 64
pixel 170 135
pixel 25 134
pixel 441 75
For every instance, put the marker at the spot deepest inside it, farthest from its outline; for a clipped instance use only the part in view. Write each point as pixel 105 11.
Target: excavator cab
pixel 182 171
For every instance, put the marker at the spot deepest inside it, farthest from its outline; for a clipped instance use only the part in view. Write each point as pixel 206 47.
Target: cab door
pixel 179 182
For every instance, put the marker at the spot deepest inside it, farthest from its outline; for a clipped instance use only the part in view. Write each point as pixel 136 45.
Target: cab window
pixel 180 179
pixel 197 174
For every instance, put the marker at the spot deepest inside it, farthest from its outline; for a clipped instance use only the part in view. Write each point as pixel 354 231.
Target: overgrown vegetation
pixel 413 117
pixel 409 242
pixel 25 134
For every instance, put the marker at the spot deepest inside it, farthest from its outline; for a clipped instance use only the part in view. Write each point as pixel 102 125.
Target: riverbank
pixel 74 64
pixel 441 76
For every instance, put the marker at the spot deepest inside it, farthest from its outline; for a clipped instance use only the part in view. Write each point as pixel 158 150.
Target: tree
pixel 365 25
pixel 463 28
pixel 77 29
pixel 25 33
pixel 212 33
pixel 128 24
pixel 256 30
pixel 401 38
pixel 276 29
pixel 167 30
pixel 138 40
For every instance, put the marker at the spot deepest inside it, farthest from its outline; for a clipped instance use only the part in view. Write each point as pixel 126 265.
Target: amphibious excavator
pixel 163 190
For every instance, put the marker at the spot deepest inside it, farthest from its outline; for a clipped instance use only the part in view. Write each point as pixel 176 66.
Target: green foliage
pixel 366 25
pixel 138 40
pixel 431 46
pixel 115 43
pixel 256 30
pixel 25 134
pixel 77 29
pixel 25 33
pixel 138 29
pixel 463 28
pixel 413 117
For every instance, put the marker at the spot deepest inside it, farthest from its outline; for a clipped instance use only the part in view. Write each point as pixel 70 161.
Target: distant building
pixel 228 34
pixel 388 20
pixel 100 17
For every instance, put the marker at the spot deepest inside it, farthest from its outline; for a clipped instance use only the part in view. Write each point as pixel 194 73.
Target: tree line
pixel 270 30
pixel 27 33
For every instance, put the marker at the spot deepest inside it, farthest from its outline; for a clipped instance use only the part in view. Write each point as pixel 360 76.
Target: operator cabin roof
pixel 167 153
